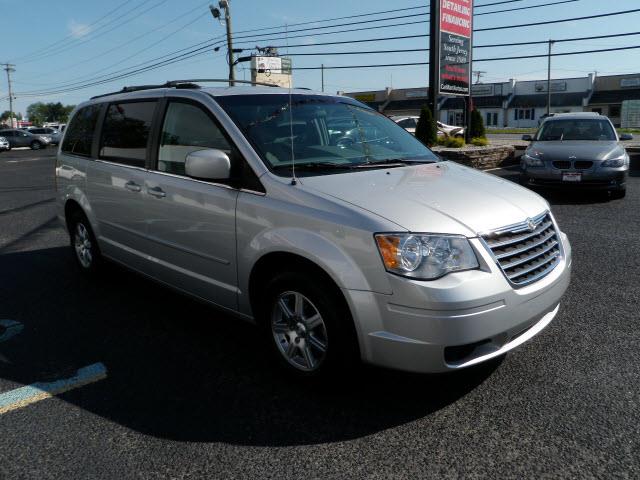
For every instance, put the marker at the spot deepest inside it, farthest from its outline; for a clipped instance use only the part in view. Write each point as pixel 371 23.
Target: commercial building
pixel 515 104
pixel 611 91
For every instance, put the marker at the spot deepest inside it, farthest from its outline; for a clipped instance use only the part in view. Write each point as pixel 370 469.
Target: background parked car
pixel 580 150
pixel 409 123
pixel 21 138
pixel 4 144
pixel 55 135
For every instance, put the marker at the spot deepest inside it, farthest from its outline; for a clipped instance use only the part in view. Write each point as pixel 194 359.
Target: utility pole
pixel 224 4
pixel 479 74
pixel 9 68
pixel 551 42
pixel 322 70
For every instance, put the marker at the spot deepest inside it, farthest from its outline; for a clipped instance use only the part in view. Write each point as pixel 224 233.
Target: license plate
pixel 571 177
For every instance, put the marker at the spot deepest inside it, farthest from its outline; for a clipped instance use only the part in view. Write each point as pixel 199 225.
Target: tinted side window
pixel 187 128
pixel 82 128
pixel 125 133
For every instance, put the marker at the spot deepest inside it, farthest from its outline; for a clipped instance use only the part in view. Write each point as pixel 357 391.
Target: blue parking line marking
pixel 12 329
pixel 23 396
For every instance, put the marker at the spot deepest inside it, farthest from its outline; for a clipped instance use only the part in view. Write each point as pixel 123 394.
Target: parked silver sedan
pixel 577 150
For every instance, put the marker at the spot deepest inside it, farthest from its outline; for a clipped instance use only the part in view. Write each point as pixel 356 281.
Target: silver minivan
pixel 333 229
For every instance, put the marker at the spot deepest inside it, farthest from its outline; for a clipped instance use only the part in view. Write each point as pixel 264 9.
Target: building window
pixel 614 111
pixel 525 114
pixel 492 119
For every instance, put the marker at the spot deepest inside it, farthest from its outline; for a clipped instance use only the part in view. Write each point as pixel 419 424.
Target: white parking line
pixel 23 396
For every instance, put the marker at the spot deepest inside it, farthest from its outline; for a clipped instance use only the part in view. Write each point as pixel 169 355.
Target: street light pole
pixel 434 57
pixel 9 68
pixel 322 71
pixel 551 42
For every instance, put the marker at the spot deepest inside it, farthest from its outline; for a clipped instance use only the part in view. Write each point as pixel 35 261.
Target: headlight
pixel 532 160
pixel 425 257
pixel 615 162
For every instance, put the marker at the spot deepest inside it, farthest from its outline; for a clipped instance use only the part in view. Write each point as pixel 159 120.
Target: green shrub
pixel 477 125
pixel 479 141
pixel 427 130
pixel 451 142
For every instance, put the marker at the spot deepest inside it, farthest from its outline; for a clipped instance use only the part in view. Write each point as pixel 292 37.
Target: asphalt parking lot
pixel 147 383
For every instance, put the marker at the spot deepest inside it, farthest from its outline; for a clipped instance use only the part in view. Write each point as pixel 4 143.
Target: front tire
pixel 618 194
pixel 307 324
pixel 85 247
pixel 36 145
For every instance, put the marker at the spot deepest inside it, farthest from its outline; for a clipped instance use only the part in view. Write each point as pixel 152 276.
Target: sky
pixel 70 42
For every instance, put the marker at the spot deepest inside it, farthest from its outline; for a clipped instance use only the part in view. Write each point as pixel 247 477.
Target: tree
pixel 427 130
pixel 40 112
pixel 5 116
pixel 476 129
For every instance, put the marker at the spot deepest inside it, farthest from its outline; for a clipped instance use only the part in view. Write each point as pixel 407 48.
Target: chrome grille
pixel 583 164
pixel 562 164
pixel 526 252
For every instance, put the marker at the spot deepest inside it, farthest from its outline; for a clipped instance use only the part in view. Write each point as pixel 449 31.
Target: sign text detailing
pixel 456 27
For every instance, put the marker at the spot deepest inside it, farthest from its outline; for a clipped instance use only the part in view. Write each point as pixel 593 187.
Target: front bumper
pixel 593 178
pixel 460 320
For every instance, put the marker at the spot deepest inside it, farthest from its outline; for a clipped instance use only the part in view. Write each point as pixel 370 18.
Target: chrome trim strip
pixel 534 267
pixel 528 259
pixel 521 238
pixel 540 275
pixel 526 248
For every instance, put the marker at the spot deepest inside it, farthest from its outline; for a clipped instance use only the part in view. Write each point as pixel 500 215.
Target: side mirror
pixel 527 138
pixel 210 164
pixel 626 137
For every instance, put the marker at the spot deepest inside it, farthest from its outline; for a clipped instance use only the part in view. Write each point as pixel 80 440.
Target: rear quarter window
pixel 81 132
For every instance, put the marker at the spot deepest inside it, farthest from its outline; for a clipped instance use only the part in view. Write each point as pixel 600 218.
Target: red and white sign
pixel 456 16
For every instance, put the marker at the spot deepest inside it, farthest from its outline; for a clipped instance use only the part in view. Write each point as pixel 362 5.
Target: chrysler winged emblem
pixel 531 224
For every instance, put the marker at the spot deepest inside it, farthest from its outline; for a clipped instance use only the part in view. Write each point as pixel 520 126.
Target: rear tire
pixel 86 252
pixel 307 324
pixel 36 145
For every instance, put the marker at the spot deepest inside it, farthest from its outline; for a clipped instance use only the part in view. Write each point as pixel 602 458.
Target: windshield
pixel 326 132
pixel 576 129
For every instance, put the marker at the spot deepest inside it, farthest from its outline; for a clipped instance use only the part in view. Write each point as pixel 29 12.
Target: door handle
pixel 133 186
pixel 156 192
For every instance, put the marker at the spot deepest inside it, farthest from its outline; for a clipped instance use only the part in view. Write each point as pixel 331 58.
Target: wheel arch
pixel 280 261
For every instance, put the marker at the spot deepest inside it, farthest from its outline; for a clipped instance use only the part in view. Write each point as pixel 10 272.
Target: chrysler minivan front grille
pixel 526 252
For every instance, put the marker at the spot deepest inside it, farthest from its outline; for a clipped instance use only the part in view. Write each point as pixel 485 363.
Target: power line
pixel 82 40
pixel 54 44
pixel 410 50
pixel 562 20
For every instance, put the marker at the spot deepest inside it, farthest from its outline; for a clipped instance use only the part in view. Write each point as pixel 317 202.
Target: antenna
pixel 294 180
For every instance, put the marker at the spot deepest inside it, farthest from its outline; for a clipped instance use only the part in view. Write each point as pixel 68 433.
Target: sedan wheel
pixel 299 331
pixel 35 145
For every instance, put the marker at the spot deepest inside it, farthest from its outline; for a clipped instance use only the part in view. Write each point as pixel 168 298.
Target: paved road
pixel 189 395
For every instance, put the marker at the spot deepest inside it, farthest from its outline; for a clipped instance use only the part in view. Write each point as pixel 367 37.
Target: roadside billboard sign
pixel 456 31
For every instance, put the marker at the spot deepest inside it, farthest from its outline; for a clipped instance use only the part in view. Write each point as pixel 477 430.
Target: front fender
pixel 326 254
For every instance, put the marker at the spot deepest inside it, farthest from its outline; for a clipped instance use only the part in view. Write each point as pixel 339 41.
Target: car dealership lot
pixel 185 391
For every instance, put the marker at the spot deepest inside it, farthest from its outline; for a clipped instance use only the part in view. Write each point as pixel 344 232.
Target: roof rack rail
pixel 191 83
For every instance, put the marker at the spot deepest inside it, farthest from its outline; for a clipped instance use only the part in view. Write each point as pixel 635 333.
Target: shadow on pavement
pixel 181 370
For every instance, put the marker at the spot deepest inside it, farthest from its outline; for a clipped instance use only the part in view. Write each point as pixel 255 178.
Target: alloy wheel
pixel 299 331
pixel 83 246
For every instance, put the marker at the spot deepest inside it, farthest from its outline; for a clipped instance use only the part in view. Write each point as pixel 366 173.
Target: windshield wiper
pixel 390 162
pixel 315 166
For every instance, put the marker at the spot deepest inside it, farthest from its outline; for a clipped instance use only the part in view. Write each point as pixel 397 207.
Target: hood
pixel 434 198
pixel 582 150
